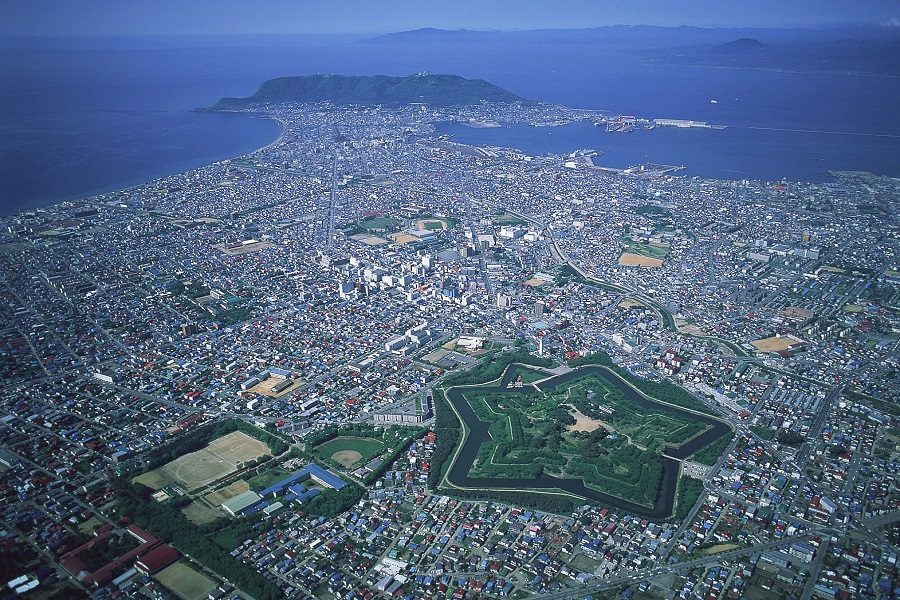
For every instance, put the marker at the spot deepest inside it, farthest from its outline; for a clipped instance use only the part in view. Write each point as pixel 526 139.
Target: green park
pixel 590 433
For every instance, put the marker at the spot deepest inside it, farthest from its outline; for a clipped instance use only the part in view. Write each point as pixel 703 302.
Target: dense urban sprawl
pixel 324 286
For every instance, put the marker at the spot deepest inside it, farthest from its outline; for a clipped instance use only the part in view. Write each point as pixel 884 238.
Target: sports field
pixel 237 249
pixel 507 219
pixel 535 282
pixel 431 224
pixel 368 239
pixel 797 312
pixel 198 469
pixel 379 224
pixel 630 303
pixel 228 492
pixel 373 241
pixel 629 259
pixel 350 451
pixel 774 344
pixel 637 254
pixel 185 581
pixel 403 238
pixel 266 388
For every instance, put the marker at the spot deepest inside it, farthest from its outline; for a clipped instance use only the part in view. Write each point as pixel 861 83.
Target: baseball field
pixel 350 451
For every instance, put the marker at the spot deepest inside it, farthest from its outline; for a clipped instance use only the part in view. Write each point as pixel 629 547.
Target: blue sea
pixel 737 152
pixel 84 116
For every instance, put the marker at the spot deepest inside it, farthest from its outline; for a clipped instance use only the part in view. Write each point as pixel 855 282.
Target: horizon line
pixel 819 27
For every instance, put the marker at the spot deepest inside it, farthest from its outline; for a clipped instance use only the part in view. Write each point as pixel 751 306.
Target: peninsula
pixel 438 90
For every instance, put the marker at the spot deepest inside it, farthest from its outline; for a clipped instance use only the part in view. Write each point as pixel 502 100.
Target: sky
pixel 231 17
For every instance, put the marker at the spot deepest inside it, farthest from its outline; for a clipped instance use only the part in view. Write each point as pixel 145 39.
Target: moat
pixel 483 441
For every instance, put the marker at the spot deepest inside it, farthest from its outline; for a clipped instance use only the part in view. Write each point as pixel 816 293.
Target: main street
pixel 815 429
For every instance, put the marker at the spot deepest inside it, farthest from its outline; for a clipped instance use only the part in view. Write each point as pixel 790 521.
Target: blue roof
pixel 325 477
pixel 309 494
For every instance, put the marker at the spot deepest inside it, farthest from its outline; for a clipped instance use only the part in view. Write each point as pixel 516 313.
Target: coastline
pixel 505 135
pixel 159 171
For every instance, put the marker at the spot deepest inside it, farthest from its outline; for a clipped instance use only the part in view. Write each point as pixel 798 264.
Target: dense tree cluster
pixel 623 470
pixel 661 390
pixel 593 446
pixel 16 560
pixel 448 432
pixel 168 522
pixel 494 366
pixel 710 453
pixel 689 491
pixel 790 438
pixel 331 503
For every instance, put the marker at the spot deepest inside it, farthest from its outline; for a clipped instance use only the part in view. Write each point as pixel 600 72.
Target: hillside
pixel 438 90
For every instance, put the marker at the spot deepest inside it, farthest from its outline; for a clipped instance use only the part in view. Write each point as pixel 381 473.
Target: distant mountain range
pixel 865 57
pixel 638 36
pixel 741 46
pixel 861 49
pixel 437 90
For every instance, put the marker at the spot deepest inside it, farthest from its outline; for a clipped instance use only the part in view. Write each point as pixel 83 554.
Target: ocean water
pixel 737 152
pixel 70 156
pixel 78 117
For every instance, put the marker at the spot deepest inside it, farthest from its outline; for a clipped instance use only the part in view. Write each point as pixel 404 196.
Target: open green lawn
pixel 507 219
pixel 379 224
pixel 267 478
pixel 583 562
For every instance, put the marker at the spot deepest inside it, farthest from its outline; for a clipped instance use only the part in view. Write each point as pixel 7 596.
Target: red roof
pixel 157 559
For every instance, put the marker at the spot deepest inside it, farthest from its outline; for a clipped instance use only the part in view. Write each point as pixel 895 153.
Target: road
pixel 814 571
pixel 815 430
pixel 712 560
pixel 688 520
